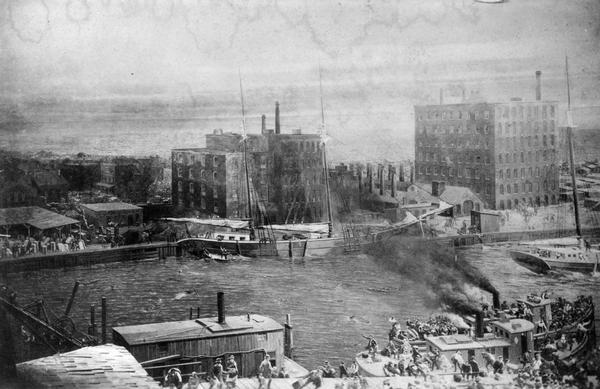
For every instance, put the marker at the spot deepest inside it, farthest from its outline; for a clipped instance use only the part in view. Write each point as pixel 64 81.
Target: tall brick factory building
pixel 285 171
pixel 507 153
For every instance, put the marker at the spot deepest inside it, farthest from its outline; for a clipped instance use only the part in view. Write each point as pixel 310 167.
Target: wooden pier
pixel 89 257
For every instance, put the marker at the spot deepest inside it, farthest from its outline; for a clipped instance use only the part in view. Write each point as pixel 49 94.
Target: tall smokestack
pixel 393 183
pixel 479 325
pixel 277 124
pixel 538 85
pixel 263 126
pixel 441 96
pixel 370 177
pixel 496 300
pixel 221 307
pixel 381 180
pixel 360 183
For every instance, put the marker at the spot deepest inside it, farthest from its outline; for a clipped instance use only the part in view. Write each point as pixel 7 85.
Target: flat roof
pixel 196 329
pixel 118 206
pixel 34 216
pixel 464 342
pixel 454 342
pixel 515 326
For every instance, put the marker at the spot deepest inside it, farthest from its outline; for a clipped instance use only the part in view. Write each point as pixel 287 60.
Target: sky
pixel 376 56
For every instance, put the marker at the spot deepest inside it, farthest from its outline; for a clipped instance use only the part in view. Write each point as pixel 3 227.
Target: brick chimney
pixel 277 123
pixel 381 179
pixel 437 188
pixel 538 85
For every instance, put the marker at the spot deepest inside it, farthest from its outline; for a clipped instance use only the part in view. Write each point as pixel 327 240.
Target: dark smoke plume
pixel 434 267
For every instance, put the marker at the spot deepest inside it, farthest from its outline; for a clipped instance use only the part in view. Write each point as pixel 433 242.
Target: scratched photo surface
pixel 143 77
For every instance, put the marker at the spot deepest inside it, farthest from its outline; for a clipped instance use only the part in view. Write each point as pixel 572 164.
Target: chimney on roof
pixel 479 326
pixel 277 123
pixel 437 188
pixel 263 126
pixel 441 96
pixel 538 85
pixel 221 307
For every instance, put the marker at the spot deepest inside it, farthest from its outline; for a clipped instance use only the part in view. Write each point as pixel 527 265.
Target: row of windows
pixel 453 115
pixel 529 141
pixel 526 187
pixel 538 201
pixel 459 158
pixel 522 112
pixel 451 171
pixel 529 157
pixel 524 127
pixel 471 143
pixel 452 129
pixel 530 172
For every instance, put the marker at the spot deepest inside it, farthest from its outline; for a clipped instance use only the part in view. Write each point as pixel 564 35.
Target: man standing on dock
pixel 265 372
pixel 216 375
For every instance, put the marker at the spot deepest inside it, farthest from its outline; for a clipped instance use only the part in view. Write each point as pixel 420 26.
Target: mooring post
pixel 191 313
pixel 92 329
pixel 198 312
pixel 70 303
pixel 288 340
pixel 290 248
pixel 103 324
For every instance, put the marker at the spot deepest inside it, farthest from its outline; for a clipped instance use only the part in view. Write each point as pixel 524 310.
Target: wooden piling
pixel 191 313
pixel 305 246
pixel 288 338
pixel 197 312
pixel 290 254
pixel 92 329
pixel 70 303
pixel 103 324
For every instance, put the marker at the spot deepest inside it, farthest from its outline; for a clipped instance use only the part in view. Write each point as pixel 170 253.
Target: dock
pixel 373 382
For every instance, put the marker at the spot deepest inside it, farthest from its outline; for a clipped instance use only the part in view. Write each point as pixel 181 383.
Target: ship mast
pixel 244 139
pixel 571 160
pixel 324 156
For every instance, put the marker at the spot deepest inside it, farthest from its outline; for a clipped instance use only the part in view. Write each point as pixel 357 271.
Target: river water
pixel 332 301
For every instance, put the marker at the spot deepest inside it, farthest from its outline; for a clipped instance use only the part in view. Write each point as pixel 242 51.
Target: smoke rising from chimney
pixel 436 268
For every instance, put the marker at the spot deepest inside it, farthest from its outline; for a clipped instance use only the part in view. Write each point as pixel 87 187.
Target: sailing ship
pixel 244 238
pixel 578 255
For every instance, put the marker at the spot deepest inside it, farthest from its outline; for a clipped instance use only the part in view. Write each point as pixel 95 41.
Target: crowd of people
pixel 435 326
pixel 42 243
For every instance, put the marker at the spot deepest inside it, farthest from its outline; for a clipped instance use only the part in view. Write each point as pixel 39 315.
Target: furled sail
pixel 316 228
pixel 237 224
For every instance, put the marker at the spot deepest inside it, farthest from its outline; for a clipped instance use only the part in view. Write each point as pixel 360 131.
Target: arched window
pixel 508 204
pixel 516 188
pixel 508 190
pixel 501 174
pixel 516 173
pixel 501 189
pixel 507 173
pixel 501 204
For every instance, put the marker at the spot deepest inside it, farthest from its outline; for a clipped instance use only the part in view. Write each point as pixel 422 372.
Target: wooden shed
pixel 195 344
pixel 486 221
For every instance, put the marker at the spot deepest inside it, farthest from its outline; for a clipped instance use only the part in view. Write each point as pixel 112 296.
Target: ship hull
pixel 541 265
pixel 252 248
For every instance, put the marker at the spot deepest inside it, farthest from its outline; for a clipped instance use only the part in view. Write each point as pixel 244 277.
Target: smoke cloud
pixel 435 268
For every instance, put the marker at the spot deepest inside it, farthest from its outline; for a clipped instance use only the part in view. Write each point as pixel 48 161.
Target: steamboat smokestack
pixel 221 307
pixel 277 123
pixel 538 85
pixel 263 126
pixel 479 325
pixel 496 300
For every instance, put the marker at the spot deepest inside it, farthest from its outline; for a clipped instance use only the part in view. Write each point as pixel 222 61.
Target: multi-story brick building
pixel 285 171
pixel 507 153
